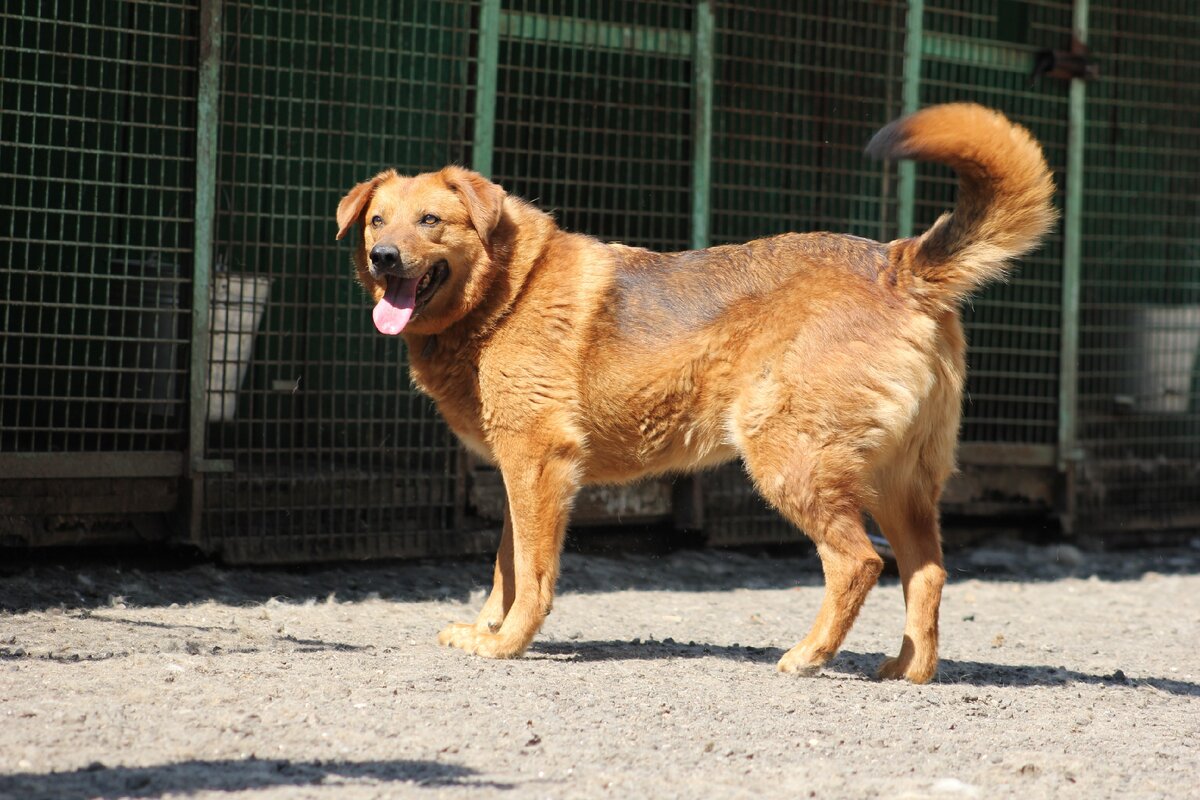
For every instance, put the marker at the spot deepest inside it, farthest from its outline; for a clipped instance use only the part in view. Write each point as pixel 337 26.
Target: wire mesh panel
pixel 333 453
pixel 798 93
pixel 982 51
pixel 593 115
pixel 1139 416
pixel 96 164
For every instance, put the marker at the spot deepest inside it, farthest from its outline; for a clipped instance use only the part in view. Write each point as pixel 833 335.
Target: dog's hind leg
pixel 816 490
pixel 499 601
pixel 909 519
pixel 492 615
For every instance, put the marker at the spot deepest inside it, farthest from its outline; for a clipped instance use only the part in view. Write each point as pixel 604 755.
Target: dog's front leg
pixel 491 616
pixel 540 493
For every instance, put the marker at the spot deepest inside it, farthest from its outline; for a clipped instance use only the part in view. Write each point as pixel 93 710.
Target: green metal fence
pixel 322 447
pixel 1139 400
pixel 982 51
pixel 181 332
pixel 593 115
pixel 96 182
pixel 96 165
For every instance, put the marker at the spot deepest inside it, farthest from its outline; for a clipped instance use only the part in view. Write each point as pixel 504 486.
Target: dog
pixel 832 365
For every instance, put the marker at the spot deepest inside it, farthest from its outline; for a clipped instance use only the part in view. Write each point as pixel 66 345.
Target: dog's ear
pixel 484 200
pixel 352 205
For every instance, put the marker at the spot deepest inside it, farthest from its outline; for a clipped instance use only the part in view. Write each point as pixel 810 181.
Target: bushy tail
pixel 1004 193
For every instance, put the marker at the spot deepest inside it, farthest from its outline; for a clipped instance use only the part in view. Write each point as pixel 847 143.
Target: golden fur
pixel 832 365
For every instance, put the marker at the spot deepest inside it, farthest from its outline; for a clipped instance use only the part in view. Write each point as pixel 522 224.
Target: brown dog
pixel 832 365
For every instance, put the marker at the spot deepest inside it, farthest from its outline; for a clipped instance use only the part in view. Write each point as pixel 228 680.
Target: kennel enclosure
pixel 185 354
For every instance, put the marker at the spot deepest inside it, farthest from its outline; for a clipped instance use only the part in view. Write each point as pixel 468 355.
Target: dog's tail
pixel 1004 193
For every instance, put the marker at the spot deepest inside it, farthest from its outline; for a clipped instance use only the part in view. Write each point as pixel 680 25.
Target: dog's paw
pixel 481 643
pixel 899 668
pixel 800 660
pixel 458 634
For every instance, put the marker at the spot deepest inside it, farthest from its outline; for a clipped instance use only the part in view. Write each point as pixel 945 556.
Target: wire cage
pixel 142 266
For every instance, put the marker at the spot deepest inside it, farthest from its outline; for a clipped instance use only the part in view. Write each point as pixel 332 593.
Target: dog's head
pixel 424 254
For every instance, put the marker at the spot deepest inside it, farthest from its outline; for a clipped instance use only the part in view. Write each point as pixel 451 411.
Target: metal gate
pixel 315 443
pixel 96 203
pixel 1139 386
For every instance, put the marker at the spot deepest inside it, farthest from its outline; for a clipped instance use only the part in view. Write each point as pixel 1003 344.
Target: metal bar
pixel 687 497
pixel 906 189
pixel 1068 381
pixel 484 141
pixel 594 34
pixel 90 465
pixel 702 115
pixel 975 53
pixel 134 497
pixel 208 96
pixel 1006 454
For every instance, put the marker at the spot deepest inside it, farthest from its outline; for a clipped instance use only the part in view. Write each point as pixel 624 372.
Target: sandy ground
pixel 1064 674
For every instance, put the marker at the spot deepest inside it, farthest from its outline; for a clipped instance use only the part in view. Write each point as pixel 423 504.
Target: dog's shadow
pixel 850 664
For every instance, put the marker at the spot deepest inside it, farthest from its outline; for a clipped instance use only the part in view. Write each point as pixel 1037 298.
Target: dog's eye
pixel 430 219
pixel 376 221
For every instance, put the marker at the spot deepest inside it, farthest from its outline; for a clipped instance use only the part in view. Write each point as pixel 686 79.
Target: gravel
pixel 1065 674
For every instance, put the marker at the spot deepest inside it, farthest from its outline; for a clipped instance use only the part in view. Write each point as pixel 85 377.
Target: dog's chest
pixel 453 384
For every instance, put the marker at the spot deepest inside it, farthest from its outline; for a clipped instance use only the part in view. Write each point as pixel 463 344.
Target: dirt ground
pixel 1064 674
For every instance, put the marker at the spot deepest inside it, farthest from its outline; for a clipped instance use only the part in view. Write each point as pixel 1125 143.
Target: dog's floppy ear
pixel 352 205
pixel 484 200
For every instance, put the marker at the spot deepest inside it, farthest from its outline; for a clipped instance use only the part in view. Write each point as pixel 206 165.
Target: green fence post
pixel 487 66
pixel 702 115
pixel 1068 369
pixel 208 96
pixel 906 190
pixel 687 500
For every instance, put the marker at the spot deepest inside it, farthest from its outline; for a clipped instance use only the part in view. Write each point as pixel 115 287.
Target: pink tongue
pixel 391 313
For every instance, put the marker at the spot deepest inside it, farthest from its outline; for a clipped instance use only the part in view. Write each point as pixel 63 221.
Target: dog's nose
pixel 385 257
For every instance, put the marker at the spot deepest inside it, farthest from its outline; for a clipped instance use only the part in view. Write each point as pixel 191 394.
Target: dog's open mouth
pixel 405 297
